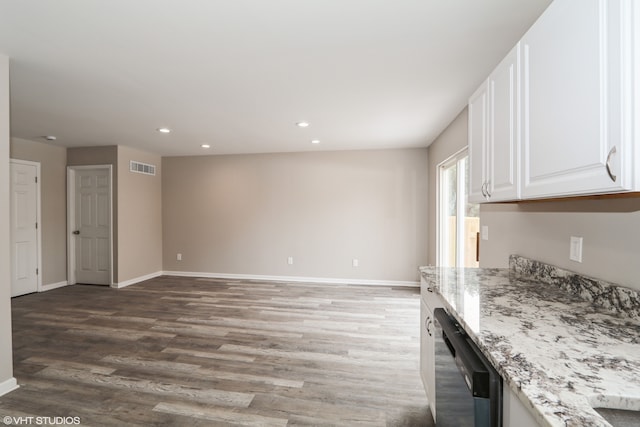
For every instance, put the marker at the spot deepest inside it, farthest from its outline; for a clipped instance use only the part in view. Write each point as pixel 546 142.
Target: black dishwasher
pixel 468 388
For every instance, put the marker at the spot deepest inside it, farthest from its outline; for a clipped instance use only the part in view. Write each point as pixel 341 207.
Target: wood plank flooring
pixel 206 352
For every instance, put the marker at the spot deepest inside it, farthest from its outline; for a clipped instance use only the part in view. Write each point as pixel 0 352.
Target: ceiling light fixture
pixel 164 130
pixel 50 138
pixel 302 124
pixel 315 141
pixel 205 146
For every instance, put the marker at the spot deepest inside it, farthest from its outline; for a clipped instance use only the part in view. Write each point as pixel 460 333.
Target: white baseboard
pixel 8 386
pixel 323 280
pixel 51 286
pixel 136 280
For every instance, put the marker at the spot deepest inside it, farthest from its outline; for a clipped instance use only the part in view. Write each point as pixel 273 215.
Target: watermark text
pixel 39 421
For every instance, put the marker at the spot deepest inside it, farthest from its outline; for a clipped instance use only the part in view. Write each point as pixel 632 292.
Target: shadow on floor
pixel 413 417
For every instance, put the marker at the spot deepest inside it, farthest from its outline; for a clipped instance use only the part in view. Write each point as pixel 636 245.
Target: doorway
pixel 89 214
pixel 458 220
pixel 25 227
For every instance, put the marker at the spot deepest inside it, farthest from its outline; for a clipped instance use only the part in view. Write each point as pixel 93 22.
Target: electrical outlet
pixel 290 260
pixel 575 249
pixel 484 232
pixel 179 257
pixel 355 262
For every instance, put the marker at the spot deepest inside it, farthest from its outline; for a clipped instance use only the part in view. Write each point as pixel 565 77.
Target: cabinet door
pixel 573 61
pixel 477 139
pixel 502 153
pixel 514 413
pixel 427 366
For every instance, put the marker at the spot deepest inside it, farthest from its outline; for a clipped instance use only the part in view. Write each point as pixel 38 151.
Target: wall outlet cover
pixel 575 249
pixel 484 232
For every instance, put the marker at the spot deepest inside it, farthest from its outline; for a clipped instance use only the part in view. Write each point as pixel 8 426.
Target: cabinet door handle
pixel 484 193
pixel 488 192
pixel 429 289
pixel 427 325
pixel 611 153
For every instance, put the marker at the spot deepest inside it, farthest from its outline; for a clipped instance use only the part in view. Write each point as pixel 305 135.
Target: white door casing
pixel 90 225
pixel 25 230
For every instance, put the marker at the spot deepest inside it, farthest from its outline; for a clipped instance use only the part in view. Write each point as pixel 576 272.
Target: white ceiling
pixel 238 74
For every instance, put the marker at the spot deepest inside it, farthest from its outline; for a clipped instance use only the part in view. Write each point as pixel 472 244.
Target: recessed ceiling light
pixel 315 141
pixel 164 130
pixel 205 146
pixel 302 124
pixel 50 138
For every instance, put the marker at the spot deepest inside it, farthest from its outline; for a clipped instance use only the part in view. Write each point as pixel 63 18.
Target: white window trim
pixel 440 209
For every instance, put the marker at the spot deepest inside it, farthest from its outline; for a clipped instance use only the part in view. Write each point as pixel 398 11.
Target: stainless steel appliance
pixel 468 388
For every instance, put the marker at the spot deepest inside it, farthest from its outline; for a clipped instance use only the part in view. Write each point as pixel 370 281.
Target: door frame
pixel 440 209
pixel 38 217
pixel 71 220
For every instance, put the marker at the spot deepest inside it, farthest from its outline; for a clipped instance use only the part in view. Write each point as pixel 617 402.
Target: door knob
pixel 76 232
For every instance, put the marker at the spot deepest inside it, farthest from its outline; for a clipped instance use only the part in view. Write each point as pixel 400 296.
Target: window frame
pixel 441 207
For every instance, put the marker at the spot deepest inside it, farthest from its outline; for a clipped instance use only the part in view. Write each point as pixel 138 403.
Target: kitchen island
pixel 563 344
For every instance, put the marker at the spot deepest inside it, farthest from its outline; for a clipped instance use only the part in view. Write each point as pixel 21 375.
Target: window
pixel 458 220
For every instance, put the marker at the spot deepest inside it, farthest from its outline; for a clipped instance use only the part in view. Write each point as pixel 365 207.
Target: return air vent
pixel 139 167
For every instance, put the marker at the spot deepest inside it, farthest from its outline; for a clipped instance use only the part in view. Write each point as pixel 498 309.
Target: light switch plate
pixel 575 250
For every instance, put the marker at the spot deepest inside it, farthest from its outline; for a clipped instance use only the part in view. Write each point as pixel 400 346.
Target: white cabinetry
pixel 493 134
pixel 514 413
pixel 429 302
pixel 558 116
pixel 478 146
pixel 577 99
pixel 427 367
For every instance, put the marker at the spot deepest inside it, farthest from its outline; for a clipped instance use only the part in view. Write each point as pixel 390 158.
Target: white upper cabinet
pixel 478 169
pixel 493 134
pixel 557 117
pixel 577 100
pixel 504 129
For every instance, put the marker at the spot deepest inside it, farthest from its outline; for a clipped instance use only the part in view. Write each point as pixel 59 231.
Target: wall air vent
pixel 139 167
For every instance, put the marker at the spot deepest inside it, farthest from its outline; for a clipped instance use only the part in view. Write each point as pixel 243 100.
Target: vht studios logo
pixel 40 421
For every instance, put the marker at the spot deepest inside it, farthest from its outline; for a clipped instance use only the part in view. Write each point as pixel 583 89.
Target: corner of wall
pixel 7 382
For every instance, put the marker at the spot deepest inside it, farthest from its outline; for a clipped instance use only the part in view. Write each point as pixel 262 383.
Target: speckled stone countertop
pixel 564 343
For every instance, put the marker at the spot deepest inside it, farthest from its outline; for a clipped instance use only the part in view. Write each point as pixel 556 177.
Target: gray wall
pixel 610 229
pixel 139 216
pixel 6 361
pixel 53 190
pixel 245 214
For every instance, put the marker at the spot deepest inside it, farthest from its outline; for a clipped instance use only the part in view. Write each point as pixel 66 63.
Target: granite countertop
pixel 562 342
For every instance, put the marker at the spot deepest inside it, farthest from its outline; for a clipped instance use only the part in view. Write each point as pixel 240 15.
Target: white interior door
pixel 91 226
pixel 24 228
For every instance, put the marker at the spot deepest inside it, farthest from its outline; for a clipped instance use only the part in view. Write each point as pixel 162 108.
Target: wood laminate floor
pixel 206 352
